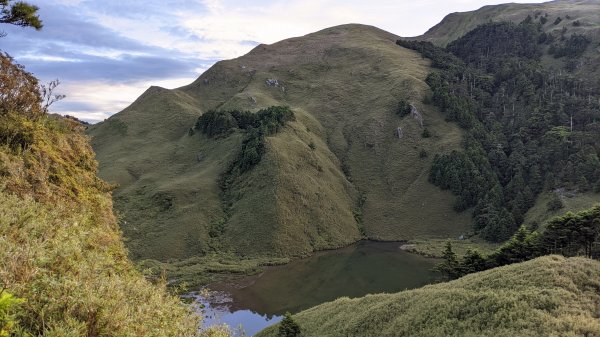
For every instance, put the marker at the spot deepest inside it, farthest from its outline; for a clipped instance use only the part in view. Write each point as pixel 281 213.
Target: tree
pixel 18 90
pixel 472 262
pixel 288 327
pixel 20 13
pixel 555 203
pixel 450 267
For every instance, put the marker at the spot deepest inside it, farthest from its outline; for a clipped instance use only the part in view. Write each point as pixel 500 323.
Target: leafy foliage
pixel 404 108
pixel 518 120
pixel 572 47
pixel 288 327
pixel 258 125
pixel 8 306
pixel 268 121
pixel 19 13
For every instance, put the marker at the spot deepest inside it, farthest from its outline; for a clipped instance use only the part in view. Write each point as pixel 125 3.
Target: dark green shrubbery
pixel 572 47
pixel 218 123
pixel 404 108
pixel 555 203
pixel 571 234
pixel 288 327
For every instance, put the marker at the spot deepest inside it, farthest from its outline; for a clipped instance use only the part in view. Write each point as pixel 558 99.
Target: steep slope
pixel 548 296
pixel 62 256
pixel 338 171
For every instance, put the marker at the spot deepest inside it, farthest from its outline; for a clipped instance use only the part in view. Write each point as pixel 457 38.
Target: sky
pixel 107 52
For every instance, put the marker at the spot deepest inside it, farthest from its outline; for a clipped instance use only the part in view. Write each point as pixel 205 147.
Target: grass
pixel 343 84
pixel 62 253
pixel 548 296
pixel 435 247
pixel 573 202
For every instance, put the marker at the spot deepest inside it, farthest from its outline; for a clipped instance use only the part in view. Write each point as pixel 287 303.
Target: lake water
pixel 367 267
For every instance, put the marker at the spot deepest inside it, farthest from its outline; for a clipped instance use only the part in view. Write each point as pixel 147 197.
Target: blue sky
pixel 107 52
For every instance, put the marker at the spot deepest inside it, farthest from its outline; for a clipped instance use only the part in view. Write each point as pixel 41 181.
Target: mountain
pixel 337 173
pixel 547 296
pixel 455 25
pixel 493 126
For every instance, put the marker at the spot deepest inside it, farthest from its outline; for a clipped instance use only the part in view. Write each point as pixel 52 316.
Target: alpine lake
pixel 255 302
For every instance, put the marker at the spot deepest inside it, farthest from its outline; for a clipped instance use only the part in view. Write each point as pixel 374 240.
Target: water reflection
pixel 364 268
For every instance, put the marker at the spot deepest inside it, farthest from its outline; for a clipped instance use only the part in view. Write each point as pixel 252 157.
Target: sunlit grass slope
pixel 61 251
pixel 338 171
pixel 548 296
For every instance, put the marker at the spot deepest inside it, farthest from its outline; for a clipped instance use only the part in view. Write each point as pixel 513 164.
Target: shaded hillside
pixel 548 296
pixel 335 173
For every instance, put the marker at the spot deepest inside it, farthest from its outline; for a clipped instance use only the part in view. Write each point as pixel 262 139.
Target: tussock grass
pixel 62 252
pixel 548 296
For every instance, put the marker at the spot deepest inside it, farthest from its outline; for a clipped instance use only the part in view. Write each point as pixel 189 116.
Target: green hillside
pixel 64 270
pixel 354 162
pixel 337 173
pixel 548 296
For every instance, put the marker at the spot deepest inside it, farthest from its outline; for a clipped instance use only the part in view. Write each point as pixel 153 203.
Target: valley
pixel 346 182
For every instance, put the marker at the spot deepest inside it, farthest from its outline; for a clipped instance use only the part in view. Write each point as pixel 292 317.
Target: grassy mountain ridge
pixel 456 25
pixel 338 168
pixel 548 296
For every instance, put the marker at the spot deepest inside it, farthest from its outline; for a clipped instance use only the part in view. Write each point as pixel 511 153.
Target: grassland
pixel 548 296
pixel 337 174
pixel 435 247
pixel 573 201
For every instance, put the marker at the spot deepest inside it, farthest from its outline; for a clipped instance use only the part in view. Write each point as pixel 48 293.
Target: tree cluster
pixel 527 129
pixel 571 234
pixel 215 123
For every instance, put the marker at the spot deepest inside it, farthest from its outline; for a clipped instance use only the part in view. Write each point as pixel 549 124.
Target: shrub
pixel 8 306
pixel 404 108
pixel 555 203
pixel 288 327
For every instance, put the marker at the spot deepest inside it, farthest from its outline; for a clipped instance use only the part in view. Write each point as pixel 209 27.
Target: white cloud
pixel 105 99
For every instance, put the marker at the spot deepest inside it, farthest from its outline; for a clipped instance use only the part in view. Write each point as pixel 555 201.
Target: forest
pixel 528 128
